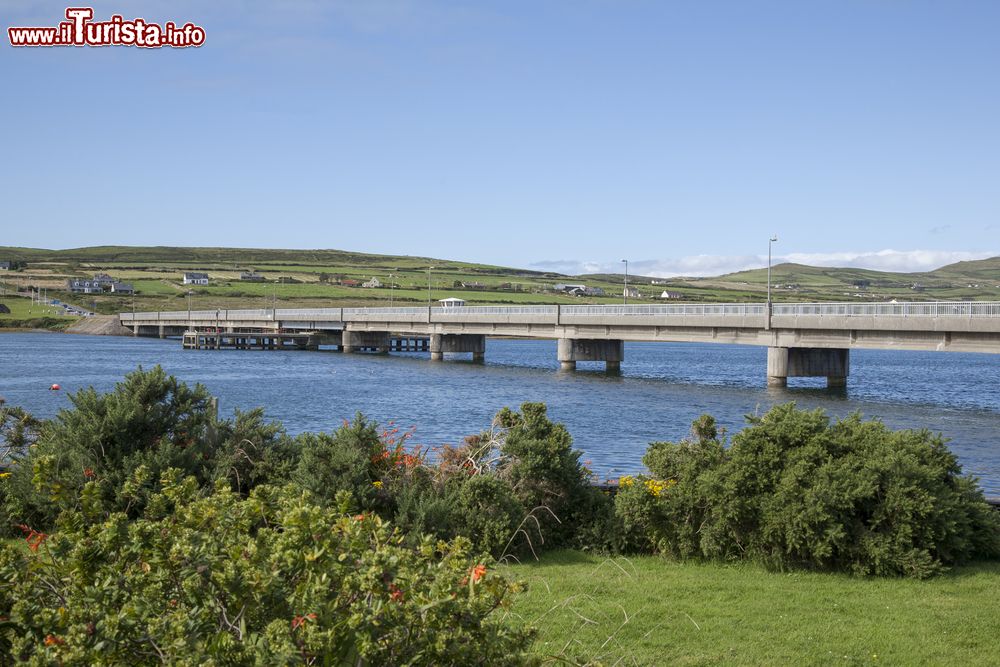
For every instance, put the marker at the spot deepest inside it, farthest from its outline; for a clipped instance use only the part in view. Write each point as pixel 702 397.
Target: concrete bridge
pixel 803 339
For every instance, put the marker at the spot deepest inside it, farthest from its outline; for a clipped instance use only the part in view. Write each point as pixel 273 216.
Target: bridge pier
pixel 358 341
pixel 572 350
pixel 786 362
pixel 452 343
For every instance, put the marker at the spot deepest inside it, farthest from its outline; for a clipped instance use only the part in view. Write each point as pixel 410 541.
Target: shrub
pixel 545 472
pixel 269 579
pixel 795 491
pixel 150 420
pixel 252 452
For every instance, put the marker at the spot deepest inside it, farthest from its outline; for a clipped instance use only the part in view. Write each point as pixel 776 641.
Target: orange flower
pixel 34 538
pixel 299 621
pixel 89 473
pixel 395 594
pixel 359 517
pixel 52 640
pixel 478 572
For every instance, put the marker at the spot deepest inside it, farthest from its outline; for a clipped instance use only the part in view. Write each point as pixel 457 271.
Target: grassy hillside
pixel 318 278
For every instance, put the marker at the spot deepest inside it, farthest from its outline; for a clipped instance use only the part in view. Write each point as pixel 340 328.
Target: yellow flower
pixel 377 484
pixel 627 480
pixel 655 486
pixel 4 474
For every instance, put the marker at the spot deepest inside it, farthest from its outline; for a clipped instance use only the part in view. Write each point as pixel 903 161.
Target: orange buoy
pixel 55 387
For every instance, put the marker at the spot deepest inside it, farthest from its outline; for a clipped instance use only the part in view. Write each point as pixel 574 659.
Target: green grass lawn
pixel 22 308
pixel 650 611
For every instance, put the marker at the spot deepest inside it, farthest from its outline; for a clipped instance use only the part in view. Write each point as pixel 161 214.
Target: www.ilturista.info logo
pixel 80 30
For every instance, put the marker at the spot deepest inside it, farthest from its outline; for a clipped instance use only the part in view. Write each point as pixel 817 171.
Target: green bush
pixel 252 452
pixel 269 579
pixel 795 491
pixel 150 420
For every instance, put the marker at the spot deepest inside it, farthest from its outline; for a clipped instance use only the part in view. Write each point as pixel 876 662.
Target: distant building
pixel 630 292
pixel 122 288
pixel 585 291
pixel 451 302
pixel 251 276
pixel 80 286
pixel 374 282
pixel 565 287
pixel 671 295
pixel 195 278
pixel 350 282
pixel 4 266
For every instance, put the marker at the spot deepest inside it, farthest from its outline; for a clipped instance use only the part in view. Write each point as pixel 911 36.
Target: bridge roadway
pixel 803 339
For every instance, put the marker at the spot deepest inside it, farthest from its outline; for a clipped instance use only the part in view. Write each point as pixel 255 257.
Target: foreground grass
pixel 649 611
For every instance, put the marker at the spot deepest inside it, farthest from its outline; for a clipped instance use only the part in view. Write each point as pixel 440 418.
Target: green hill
pixel 329 277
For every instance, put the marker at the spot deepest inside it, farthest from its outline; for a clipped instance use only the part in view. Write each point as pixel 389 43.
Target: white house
pixel 451 302
pixel 374 282
pixel 671 295
pixel 630 292
pixel 195 278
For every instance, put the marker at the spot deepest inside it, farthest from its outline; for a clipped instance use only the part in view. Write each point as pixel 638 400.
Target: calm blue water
pixel 663 387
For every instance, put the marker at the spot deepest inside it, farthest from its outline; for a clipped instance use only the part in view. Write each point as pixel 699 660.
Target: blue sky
pixel 541 134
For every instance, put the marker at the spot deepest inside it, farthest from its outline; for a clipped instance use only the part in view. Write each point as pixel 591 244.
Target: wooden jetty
pixel 251 340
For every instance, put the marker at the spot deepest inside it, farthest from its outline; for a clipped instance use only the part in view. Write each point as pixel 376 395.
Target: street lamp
pixel 625 293
pixel 429 286
pixel 773 239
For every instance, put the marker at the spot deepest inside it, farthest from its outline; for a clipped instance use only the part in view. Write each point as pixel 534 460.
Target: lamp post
pixel 429 286
pixel 625 293
pixel 391 276
pixel 771 240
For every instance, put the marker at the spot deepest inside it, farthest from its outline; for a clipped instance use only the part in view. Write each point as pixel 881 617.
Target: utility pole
pixel 429 286
pixel 625 293
pixel 773 239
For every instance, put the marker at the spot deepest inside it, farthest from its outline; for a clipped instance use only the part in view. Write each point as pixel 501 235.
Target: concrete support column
pixel 163 331
pixel 571 350
pixel 777 367
pixel 785 362
pixel 352 341
pixel 457 344
pixel 437 352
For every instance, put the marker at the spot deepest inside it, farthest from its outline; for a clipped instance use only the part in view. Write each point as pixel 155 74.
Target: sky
pixel 537 134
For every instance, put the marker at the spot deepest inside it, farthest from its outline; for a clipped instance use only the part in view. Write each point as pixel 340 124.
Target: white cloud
pixel 713 265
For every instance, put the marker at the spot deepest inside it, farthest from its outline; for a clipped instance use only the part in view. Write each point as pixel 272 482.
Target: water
pixel 663 387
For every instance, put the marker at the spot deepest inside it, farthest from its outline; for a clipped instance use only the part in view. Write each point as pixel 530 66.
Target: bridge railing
pixel 737 309
pixel 901 309
pixel 394 310
pixel 965 309
pixel 494 310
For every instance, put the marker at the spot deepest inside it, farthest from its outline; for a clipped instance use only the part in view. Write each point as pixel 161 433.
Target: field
pixel 323 278
pixel 649 611
pixel 25 314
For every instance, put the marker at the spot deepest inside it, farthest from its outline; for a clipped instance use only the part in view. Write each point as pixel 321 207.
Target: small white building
pixel 374 282
pixel 630 292
pixel 195 278
pixel 667 294
pixel 451 302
